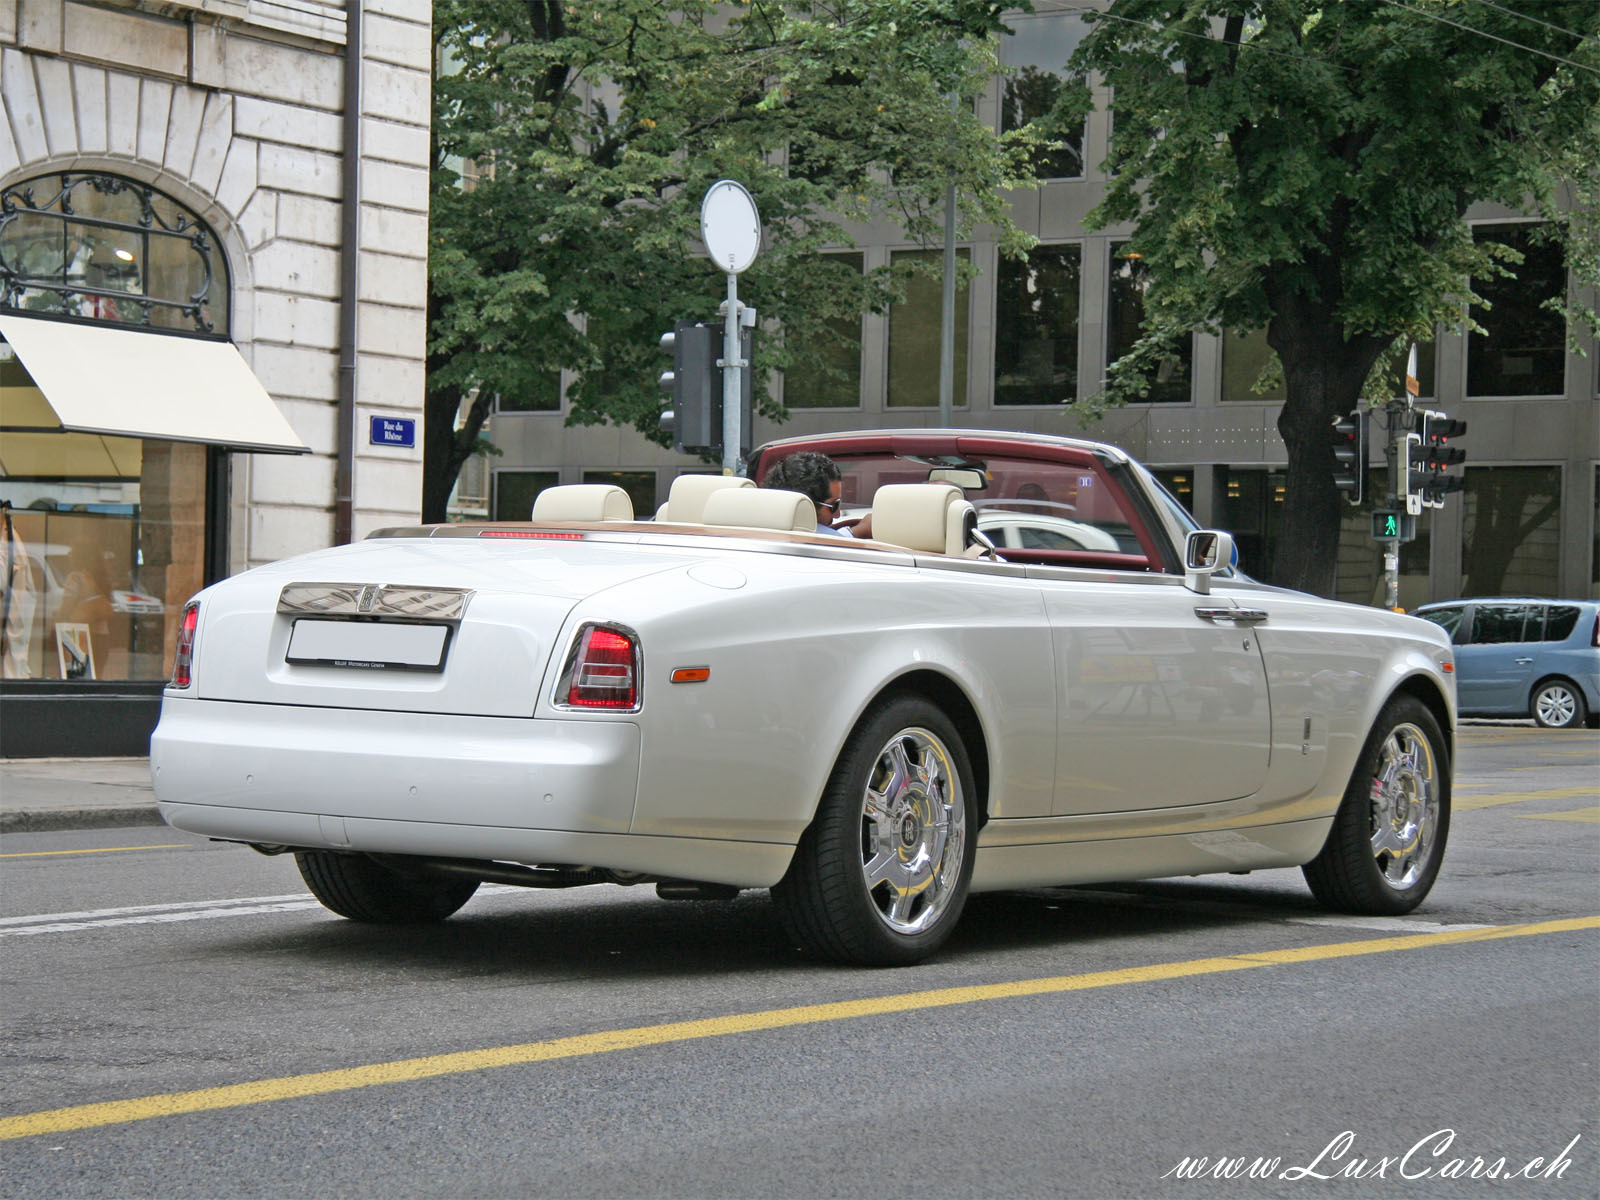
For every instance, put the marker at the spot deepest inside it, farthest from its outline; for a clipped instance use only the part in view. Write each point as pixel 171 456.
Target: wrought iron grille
pixel 109 249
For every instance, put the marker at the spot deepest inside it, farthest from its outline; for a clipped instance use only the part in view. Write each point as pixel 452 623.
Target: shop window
pixel 834 380
pixel 1125 325
pixel 105 248
pixel 102 541
pixel 1036 327
pixel 1252 510
pixel 1179 482
pixel 1035 55
pixel 515 491
pixel 1523 351
pixel 914 336
pixel 1511 531
pixel 640 486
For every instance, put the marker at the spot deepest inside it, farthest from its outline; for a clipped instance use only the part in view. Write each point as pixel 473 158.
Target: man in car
pixel 817 477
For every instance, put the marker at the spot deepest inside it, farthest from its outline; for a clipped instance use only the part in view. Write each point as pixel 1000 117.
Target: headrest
pixel 933 518
pixel 583 502
pixel 761 508
pixel 686 501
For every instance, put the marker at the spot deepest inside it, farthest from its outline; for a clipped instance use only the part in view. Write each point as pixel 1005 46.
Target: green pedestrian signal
pixel 1390 525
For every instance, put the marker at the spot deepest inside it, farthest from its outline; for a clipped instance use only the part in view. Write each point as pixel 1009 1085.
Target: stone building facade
pixel 306 162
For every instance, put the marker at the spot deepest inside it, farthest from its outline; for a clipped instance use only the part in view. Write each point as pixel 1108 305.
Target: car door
pixel 1159 706
pixel 1494 666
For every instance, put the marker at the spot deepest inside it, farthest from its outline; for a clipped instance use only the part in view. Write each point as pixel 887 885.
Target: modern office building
pixel 213 276
pixel 1033 337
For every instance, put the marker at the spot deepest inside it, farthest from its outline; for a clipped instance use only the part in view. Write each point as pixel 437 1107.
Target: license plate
pixel 369 645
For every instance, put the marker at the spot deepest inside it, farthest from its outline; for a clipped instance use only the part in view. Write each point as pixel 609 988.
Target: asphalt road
pixel 181 1019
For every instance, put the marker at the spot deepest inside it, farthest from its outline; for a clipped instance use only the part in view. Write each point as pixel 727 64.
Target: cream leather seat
pixel 583 502
pixel 930 518
pixel 686 500
pixel 761 508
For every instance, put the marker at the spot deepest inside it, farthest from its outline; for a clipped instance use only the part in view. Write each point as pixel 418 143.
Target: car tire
pixel 354 886
pixel 1388 837
pixel 1558 704
pixel 881 875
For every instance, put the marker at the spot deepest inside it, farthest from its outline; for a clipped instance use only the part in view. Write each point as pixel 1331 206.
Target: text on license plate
pixel 374 645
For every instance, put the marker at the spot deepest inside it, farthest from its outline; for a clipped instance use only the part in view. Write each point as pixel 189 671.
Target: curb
pixel 54 820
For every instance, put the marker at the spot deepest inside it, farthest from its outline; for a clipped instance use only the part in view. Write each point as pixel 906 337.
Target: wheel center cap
pixel 910 830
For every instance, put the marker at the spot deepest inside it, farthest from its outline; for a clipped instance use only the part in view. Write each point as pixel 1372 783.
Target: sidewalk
pixel 42 794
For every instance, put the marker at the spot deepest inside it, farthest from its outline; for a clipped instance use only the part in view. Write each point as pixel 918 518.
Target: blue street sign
pixel 394 431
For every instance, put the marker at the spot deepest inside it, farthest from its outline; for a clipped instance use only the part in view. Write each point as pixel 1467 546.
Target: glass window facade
pixel 1036 327
pixel 640 486
pixel 835 382
pixel 514 492
pixel 914 336
pixel 1511 531
pixel 1125 325
pixel 1523 351
pixel 1035 54
pixel 542 395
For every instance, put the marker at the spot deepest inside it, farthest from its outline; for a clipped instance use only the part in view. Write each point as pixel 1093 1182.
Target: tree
pixel 573 143
pixel 1307 167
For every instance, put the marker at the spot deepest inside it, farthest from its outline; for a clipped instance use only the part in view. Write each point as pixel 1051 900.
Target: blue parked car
pixel 1525 658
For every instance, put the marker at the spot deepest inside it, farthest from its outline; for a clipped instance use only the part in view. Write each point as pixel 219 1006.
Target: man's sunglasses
pixel 832 505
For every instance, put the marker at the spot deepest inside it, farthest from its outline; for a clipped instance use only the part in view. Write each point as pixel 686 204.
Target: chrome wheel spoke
pixel 913 822
pixel 1405 807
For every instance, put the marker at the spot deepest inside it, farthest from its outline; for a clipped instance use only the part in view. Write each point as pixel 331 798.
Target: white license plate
pixel 373 645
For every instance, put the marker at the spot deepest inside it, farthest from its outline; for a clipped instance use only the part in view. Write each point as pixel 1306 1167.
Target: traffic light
pixel 695 387
pixel 1349 435
pixel 1390 525
pixel 1431 455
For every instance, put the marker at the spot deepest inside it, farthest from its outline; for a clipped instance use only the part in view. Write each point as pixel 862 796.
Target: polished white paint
pixel 1116 733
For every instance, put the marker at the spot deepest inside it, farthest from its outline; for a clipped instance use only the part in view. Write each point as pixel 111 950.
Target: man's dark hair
pixel 807 472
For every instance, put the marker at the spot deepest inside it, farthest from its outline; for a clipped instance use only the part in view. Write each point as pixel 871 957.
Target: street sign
pixel 393 431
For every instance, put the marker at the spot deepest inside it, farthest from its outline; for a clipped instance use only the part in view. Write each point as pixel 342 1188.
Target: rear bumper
pixel 512 789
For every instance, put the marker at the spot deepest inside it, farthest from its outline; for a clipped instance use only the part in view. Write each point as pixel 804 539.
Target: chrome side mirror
pixel 1205 552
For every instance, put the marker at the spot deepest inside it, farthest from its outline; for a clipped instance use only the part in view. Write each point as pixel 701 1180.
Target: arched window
pixel 105 248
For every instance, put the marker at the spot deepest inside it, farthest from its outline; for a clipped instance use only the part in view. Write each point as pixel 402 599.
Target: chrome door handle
pixel 1522 662
pixel 1241 616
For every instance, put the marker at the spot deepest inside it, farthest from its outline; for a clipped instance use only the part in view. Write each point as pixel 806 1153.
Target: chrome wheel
pixel 1556 705
pixel 1405 806
pixel 913 831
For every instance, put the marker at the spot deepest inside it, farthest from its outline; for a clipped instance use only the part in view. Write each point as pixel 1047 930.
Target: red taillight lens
pixel 183 660
pixel 603 672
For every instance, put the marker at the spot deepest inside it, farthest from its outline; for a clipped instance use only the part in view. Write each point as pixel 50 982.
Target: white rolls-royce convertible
pixel 720 695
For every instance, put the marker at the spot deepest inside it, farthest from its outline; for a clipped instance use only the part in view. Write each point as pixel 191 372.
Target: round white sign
pixel 730 226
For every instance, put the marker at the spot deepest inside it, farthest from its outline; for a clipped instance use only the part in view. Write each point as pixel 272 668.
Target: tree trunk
pixel 1323 377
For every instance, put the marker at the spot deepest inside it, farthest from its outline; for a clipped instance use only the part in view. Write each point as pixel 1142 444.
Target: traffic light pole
pixel 1398 420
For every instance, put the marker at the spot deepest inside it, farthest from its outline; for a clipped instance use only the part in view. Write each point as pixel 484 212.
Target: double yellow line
pixel 86 1116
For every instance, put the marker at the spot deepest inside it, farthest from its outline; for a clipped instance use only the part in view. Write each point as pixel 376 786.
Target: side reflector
pixel 602 672
pixel 691 675
pixel 183 658
pixel 1449 668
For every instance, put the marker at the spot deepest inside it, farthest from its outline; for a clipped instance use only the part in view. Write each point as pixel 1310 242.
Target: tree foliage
pixel 588 133
pixel 1306 167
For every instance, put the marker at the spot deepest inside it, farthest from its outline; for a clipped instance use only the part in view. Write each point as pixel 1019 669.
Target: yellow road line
pixel 1590 816
pixel 86 1116
pixel 1460 803
pixel 101 850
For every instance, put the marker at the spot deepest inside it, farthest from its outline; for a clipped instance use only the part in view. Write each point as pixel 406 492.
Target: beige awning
pixel 132 383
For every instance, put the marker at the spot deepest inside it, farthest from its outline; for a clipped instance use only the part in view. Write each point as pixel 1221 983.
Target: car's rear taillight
pixel 602 672
pixel 183 660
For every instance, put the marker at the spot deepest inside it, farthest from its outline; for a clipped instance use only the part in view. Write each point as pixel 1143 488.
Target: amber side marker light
pixel 1449 668
pixel 691 675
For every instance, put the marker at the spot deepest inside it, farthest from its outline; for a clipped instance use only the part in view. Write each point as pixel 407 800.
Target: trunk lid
pixel 446 625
